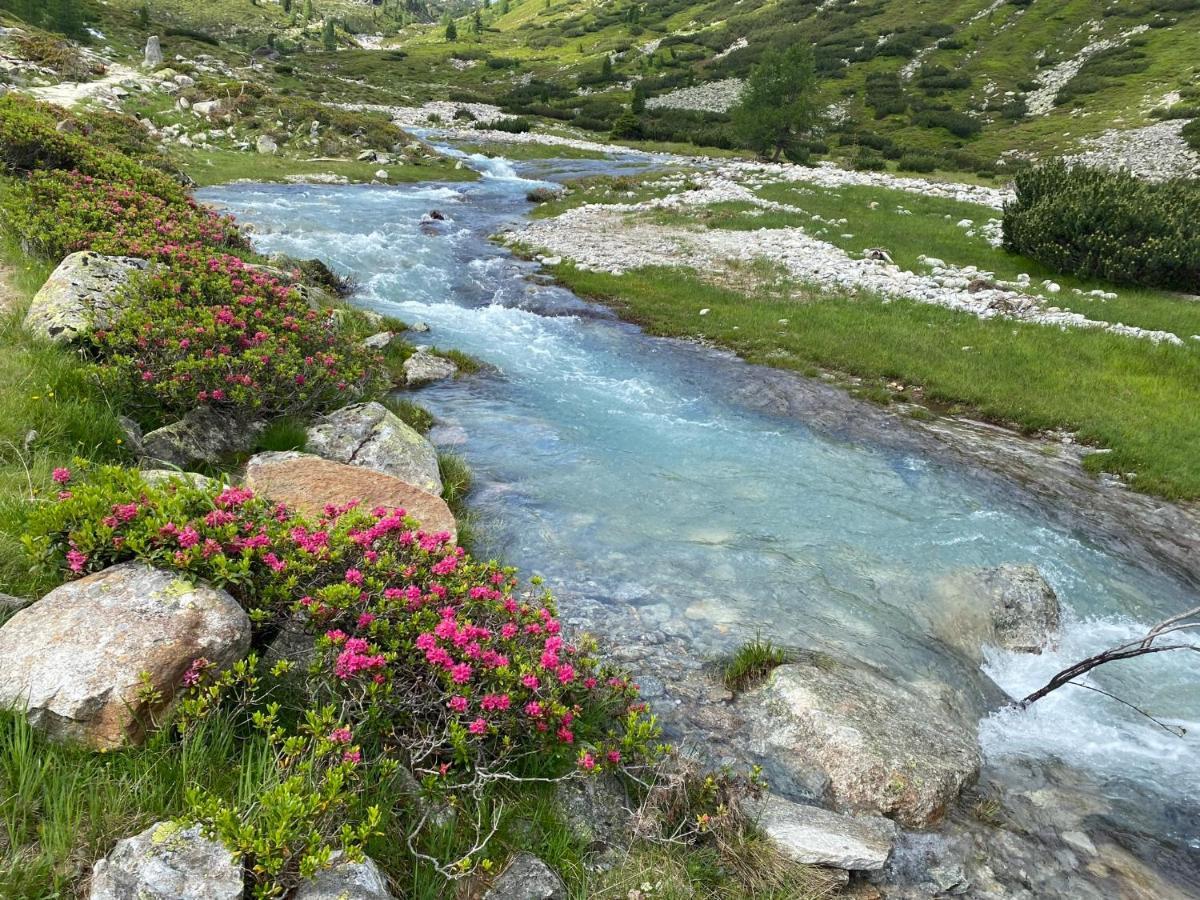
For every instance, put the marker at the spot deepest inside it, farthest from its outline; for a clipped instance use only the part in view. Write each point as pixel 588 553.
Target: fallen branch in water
pixel 1142 646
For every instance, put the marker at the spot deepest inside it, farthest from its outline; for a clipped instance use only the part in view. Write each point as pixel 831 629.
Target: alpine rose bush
pixel 59 212
pixel 211 329
pixel 427 652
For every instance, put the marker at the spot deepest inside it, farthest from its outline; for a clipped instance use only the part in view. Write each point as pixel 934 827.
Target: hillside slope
pixel 972 82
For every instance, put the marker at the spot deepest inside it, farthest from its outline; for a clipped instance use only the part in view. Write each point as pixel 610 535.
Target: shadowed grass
pixel 414 416
pixel 1132 397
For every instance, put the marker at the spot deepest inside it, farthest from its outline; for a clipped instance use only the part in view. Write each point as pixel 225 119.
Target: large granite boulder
pixel 76 659
pixel 81 295
pixel 817 837
pixel 425 367
pixel 203 436
pixel 308 484
pixel 167 862
pixel 1011 607
pixel 372 436
pixel 346 880
pixel 527 878
pixel 883 747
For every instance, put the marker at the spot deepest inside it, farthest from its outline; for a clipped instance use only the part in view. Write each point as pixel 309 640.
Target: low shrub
pixel 1109 225
pixel 206 329
pixel 423 657
pixel 512 125
pixel 56 213
pixel 917 162
pixel 1191 134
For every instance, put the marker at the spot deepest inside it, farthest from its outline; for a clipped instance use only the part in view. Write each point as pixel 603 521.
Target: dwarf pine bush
pixel 1110 225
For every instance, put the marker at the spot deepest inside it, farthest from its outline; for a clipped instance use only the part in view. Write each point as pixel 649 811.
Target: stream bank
pixel 680 501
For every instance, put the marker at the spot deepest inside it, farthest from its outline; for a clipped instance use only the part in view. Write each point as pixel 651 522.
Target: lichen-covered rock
pixel 81 295
pixel 266 145
pixel 80 659
pixel 527 878
pixel 202 436
pixel 380 341
pixel 159 477
pixel 1011 607
pixel 885 747
pixel 596 811
pixel 308 484
pixel 346 880
pixel 373 437
pixel 425 367
pixel 167 862
pixel 817 837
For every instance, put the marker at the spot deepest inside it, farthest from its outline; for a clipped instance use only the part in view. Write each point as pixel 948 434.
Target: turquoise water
pixel 630 470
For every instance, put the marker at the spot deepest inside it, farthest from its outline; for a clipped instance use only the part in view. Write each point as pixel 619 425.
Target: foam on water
pixel 624 467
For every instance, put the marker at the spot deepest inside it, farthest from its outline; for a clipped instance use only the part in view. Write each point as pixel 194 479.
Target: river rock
pixel 380 341
pixel 425 366
pixel 817 837
pixel 81 295
pixel 167 862
pixel 266 145
pixel 153 57
pixel 527 878
pixel 75 659
pixel 372 436
pixel 308 484
pixel 885 747
pixel 346 880
pixel 203 435
pixel 1011 607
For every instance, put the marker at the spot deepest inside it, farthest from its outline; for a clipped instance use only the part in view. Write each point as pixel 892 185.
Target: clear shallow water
pixel 625 467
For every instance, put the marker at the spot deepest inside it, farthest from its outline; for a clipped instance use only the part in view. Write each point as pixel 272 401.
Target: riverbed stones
pixel 79 660
pixel 167 862
pixel 81 295
pixel 202 436
pixel 308 484
pixel 1011 607
pixel 527 878
pixel 346 880
pixel 883 747
pixel 817 837
pixel 373 437
pixel 425 367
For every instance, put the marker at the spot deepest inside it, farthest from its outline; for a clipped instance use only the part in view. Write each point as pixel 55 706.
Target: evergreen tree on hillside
pixel 451 31
pixel 287 7
pixel 329 36
pixel 477 22
pixel 779 105
pixel 65 17
pixel 606 67
pixel 504 7
pixel 308 10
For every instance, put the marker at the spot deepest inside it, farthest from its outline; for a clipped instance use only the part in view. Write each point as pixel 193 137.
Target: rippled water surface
pixel 625 467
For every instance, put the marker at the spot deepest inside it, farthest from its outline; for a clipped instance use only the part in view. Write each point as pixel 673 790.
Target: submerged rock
pixel 167 862
pixel 81 295
pixel 527 878
pixel 373 437
pixel 425 367
pixel 78 660
pixel 1011 607
pixel 202 436
pixel 883 746
pixel 308 484
pixel 817 837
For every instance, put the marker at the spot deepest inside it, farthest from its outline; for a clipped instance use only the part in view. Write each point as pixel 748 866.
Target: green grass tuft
pixel 751 663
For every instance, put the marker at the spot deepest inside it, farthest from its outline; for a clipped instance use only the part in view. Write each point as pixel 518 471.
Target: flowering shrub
pixel 212 329
pixel 59 212
pixel 432 659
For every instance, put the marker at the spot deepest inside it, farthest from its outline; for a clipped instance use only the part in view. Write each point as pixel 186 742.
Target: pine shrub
pixel 1099 224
